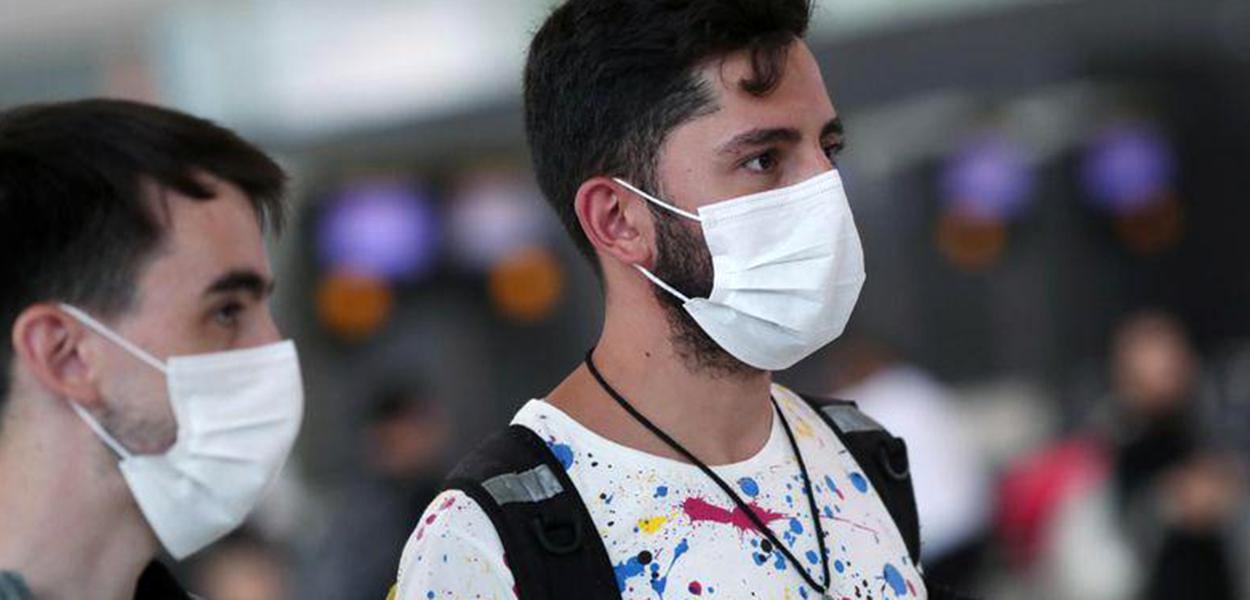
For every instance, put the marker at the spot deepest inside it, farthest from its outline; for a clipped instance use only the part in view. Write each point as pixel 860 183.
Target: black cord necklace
pixel 823 588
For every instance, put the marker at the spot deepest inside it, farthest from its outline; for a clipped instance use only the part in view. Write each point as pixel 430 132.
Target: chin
pixel 699 353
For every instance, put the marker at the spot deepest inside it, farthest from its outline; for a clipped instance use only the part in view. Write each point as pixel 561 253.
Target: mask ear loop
pixel 660 282
pixel 98 327
pixel 673 209
pixel 104 436
pixel 657 201
pixel 108 334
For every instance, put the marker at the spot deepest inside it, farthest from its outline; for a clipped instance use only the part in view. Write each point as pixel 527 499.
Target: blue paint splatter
pixel 894 579
pixel 803 592
pixel 661 491
pixel 833 488
pixel 859 482
pixel 660 583
pixel 812 557
pixel 760 559
pixel 828 513
pixel 796 526
pixel 780 563
pixel 749 487
pixel 563 452
pixel 838 566
pixel 429 594
pixel 624 571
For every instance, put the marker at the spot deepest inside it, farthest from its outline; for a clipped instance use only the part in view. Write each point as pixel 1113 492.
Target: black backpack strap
pixel 552 545
pixel 883 459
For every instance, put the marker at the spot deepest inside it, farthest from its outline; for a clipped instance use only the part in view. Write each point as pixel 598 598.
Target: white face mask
pixel 238 413
pixel 787 270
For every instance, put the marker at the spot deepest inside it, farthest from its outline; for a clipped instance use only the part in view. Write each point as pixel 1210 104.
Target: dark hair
pixel 79 188
pixel 607 80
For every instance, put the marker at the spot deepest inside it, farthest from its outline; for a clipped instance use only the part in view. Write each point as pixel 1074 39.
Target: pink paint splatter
pixel 874 532
pixel 447 503
pixel 696 588
pixel 699 509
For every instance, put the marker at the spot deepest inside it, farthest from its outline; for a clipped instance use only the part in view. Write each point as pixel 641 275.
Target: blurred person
pixel 242 566
pixel 147 398
pixel 952 482
pixel 405 438
pixel 690 150
pixel 1138 506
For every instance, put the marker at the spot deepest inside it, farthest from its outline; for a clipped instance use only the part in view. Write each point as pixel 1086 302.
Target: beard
pixel 685 263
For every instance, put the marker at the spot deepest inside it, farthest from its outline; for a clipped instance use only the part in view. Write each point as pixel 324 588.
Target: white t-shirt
pixel 671 532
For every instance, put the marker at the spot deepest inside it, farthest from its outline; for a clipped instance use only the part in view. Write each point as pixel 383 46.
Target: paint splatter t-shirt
pixel 671 532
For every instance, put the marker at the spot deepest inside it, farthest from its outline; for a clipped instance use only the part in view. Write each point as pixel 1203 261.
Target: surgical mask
pixel 787 270
pixel 238 413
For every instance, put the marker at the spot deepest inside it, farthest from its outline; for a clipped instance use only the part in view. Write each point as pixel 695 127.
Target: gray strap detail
pixel 849 419
pixel 13 587
pixel 534 485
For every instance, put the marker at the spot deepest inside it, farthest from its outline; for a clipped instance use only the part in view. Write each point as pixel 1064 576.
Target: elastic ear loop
pixel 104 436
pixel 657 201
pixel 108 334
pixel 98 327
pixel 660 282
pixel 669 207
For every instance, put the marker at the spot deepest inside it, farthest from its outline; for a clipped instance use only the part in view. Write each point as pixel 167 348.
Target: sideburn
pixel 685 263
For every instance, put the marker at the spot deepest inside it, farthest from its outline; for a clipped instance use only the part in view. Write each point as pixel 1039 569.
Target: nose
pixel 814 162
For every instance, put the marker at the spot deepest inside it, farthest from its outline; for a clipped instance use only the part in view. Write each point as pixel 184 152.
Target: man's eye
pixel 228 315
pixel 761 163
pixel 832 151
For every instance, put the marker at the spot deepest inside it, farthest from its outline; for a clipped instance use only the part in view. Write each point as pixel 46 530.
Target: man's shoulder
pixel 447 514
pixel 454 548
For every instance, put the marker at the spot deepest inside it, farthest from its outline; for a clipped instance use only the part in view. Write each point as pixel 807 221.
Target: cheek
pixel 138 410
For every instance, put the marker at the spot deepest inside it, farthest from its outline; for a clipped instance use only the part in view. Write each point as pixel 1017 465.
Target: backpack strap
pixel 552 545
pixel 883 459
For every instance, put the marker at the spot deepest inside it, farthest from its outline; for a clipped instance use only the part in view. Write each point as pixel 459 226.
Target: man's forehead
pixel 205 238
pixel 799 99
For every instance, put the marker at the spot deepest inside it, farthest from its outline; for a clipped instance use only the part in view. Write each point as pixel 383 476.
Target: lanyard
pixel 742 505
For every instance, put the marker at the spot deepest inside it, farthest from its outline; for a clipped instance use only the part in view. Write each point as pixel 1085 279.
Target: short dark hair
pixel 78 214
pixel 607 80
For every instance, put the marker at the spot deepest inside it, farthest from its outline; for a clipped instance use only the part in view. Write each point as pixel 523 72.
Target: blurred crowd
pixel 1135 490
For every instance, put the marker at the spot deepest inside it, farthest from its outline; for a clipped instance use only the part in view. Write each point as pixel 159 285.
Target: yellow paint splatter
pixel 802 428
pixel 653 524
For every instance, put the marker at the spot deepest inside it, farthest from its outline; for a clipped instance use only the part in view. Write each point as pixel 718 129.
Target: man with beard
pixel 690 150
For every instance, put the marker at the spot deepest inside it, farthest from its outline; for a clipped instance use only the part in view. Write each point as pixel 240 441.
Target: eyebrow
pixel 759 137
pixel 241 280
pixel 763 136
pixel 833 128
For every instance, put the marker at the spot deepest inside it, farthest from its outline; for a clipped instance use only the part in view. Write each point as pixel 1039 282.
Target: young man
pixel 689 148
pixel 147 400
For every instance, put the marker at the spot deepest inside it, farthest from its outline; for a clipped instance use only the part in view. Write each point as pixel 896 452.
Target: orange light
pixel 353 306
pixel 1154 228
pixel 970 243
pixel 526 285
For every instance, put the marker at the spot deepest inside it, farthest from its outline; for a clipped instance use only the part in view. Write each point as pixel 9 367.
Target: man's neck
pixel 719 418
pixel 70 527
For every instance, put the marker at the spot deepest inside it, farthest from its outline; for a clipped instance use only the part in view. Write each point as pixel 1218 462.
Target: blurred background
pixel 1052 194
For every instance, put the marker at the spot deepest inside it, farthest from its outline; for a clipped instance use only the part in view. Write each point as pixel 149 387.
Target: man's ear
pixel 616 221
pixel 49 344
